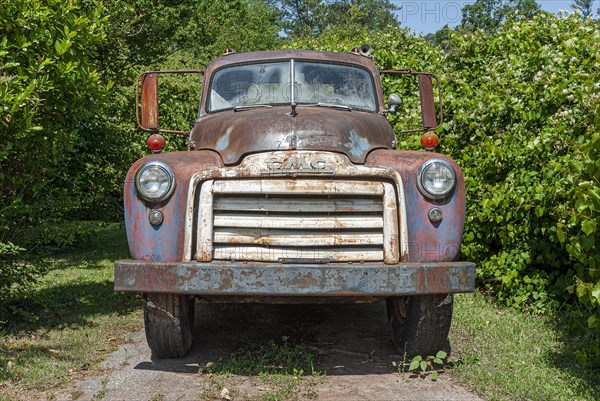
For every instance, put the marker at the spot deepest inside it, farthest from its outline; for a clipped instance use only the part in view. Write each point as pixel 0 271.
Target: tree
pixel 372 15
pixel 146 32
pixel 584 7
pixel 489 14
pixel 67 70
pixel 66 98
pixel 312 17
pixel 303 17
pixel 439 37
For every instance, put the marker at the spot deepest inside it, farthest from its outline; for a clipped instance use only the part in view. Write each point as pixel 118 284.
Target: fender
pixel 428 242
pixel 164 242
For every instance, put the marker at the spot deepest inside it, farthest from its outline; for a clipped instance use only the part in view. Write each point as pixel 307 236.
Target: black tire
pixel 168 319
pixel 420 324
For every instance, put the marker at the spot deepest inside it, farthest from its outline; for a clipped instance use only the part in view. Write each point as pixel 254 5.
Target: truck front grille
pixel 299 220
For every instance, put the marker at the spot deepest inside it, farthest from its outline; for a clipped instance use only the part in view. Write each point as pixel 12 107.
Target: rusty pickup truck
pixel 293 190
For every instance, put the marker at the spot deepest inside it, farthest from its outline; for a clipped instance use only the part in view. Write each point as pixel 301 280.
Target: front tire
pixel 419 325
pixel 168 319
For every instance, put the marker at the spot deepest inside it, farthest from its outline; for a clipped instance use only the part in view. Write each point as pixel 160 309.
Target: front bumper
pixel 302 280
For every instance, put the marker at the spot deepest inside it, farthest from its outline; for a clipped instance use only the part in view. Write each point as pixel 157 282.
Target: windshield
pixel 270 84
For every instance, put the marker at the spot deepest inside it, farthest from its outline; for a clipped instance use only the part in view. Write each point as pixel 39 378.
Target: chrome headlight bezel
pixel 423 171
pixel 171 181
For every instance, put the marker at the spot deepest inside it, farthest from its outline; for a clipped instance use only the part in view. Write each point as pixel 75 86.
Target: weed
pixel 310 393
pixel 157 397
pixel 284 371
pixel 424 367
pixel 427 364
pixel 269 358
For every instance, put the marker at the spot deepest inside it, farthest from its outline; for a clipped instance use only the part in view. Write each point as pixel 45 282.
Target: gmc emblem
pixel 297 165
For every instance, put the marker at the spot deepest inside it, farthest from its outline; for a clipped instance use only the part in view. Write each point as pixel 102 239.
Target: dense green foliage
pixel 48 92
pixel 524 114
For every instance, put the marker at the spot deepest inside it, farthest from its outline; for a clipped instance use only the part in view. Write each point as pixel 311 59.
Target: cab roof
pixel 275 55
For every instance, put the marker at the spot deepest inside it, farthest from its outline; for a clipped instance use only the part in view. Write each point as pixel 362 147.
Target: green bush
pixel 48 92
pixel 523 115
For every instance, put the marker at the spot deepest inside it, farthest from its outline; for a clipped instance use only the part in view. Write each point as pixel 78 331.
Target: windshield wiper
pixel 251 106
pixel 330 105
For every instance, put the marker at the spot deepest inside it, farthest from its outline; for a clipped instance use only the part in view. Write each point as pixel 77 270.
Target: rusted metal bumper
pixel 302 280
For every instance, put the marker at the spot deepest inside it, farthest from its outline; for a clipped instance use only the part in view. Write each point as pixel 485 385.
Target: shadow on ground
pixel 575 337
pixel 66 296
pixel 345 339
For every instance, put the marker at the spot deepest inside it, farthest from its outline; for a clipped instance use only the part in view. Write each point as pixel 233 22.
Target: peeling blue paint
pixel 223 143
pixel 358 144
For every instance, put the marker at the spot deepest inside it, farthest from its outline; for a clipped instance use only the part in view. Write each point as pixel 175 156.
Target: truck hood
pixel 234 134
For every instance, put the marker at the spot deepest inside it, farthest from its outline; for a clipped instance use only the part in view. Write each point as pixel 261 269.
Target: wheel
pixel 419 324
pixel 168 319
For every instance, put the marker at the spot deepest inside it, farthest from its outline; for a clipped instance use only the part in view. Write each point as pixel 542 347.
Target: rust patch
pixel 437 280
pixel 226 279
pixel 420 279
pixel 354 135
pixel 306 281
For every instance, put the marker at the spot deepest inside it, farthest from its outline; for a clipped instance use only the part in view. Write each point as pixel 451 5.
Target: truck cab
pixel 292 190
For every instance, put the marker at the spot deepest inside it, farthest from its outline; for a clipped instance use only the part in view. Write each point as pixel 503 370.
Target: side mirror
pixel 432 114
pixel 393 102
pixel 427 102
pixel 149 102
pixel 148 117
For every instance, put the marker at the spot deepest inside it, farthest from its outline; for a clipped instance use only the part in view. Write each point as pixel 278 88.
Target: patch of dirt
pixel 350 342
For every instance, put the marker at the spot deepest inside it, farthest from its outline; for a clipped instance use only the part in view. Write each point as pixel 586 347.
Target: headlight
pixel 154 181
pixel 436 179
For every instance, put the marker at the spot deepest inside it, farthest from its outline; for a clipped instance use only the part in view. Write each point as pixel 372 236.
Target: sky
pixel 425 16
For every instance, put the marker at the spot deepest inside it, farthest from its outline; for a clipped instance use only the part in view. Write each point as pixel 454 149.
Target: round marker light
pixel 156 143
pixel 436 179
pixel 155 217
pixel 429 140
pixel 154 181
pixel 435 215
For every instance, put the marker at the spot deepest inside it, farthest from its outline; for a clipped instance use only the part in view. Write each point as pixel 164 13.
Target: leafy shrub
pixel 523 123
pixel 48 90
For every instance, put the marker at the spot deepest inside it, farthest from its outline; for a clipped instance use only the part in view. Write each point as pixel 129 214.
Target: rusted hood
pixel 235 134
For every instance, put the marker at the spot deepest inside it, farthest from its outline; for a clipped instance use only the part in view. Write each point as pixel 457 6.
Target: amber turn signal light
pixel 156 143
pixel 429 140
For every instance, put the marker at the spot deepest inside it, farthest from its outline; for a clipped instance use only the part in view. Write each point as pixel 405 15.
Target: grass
pixel 504 354
pixel 69 321
pixel 282 371
pixel 72 319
